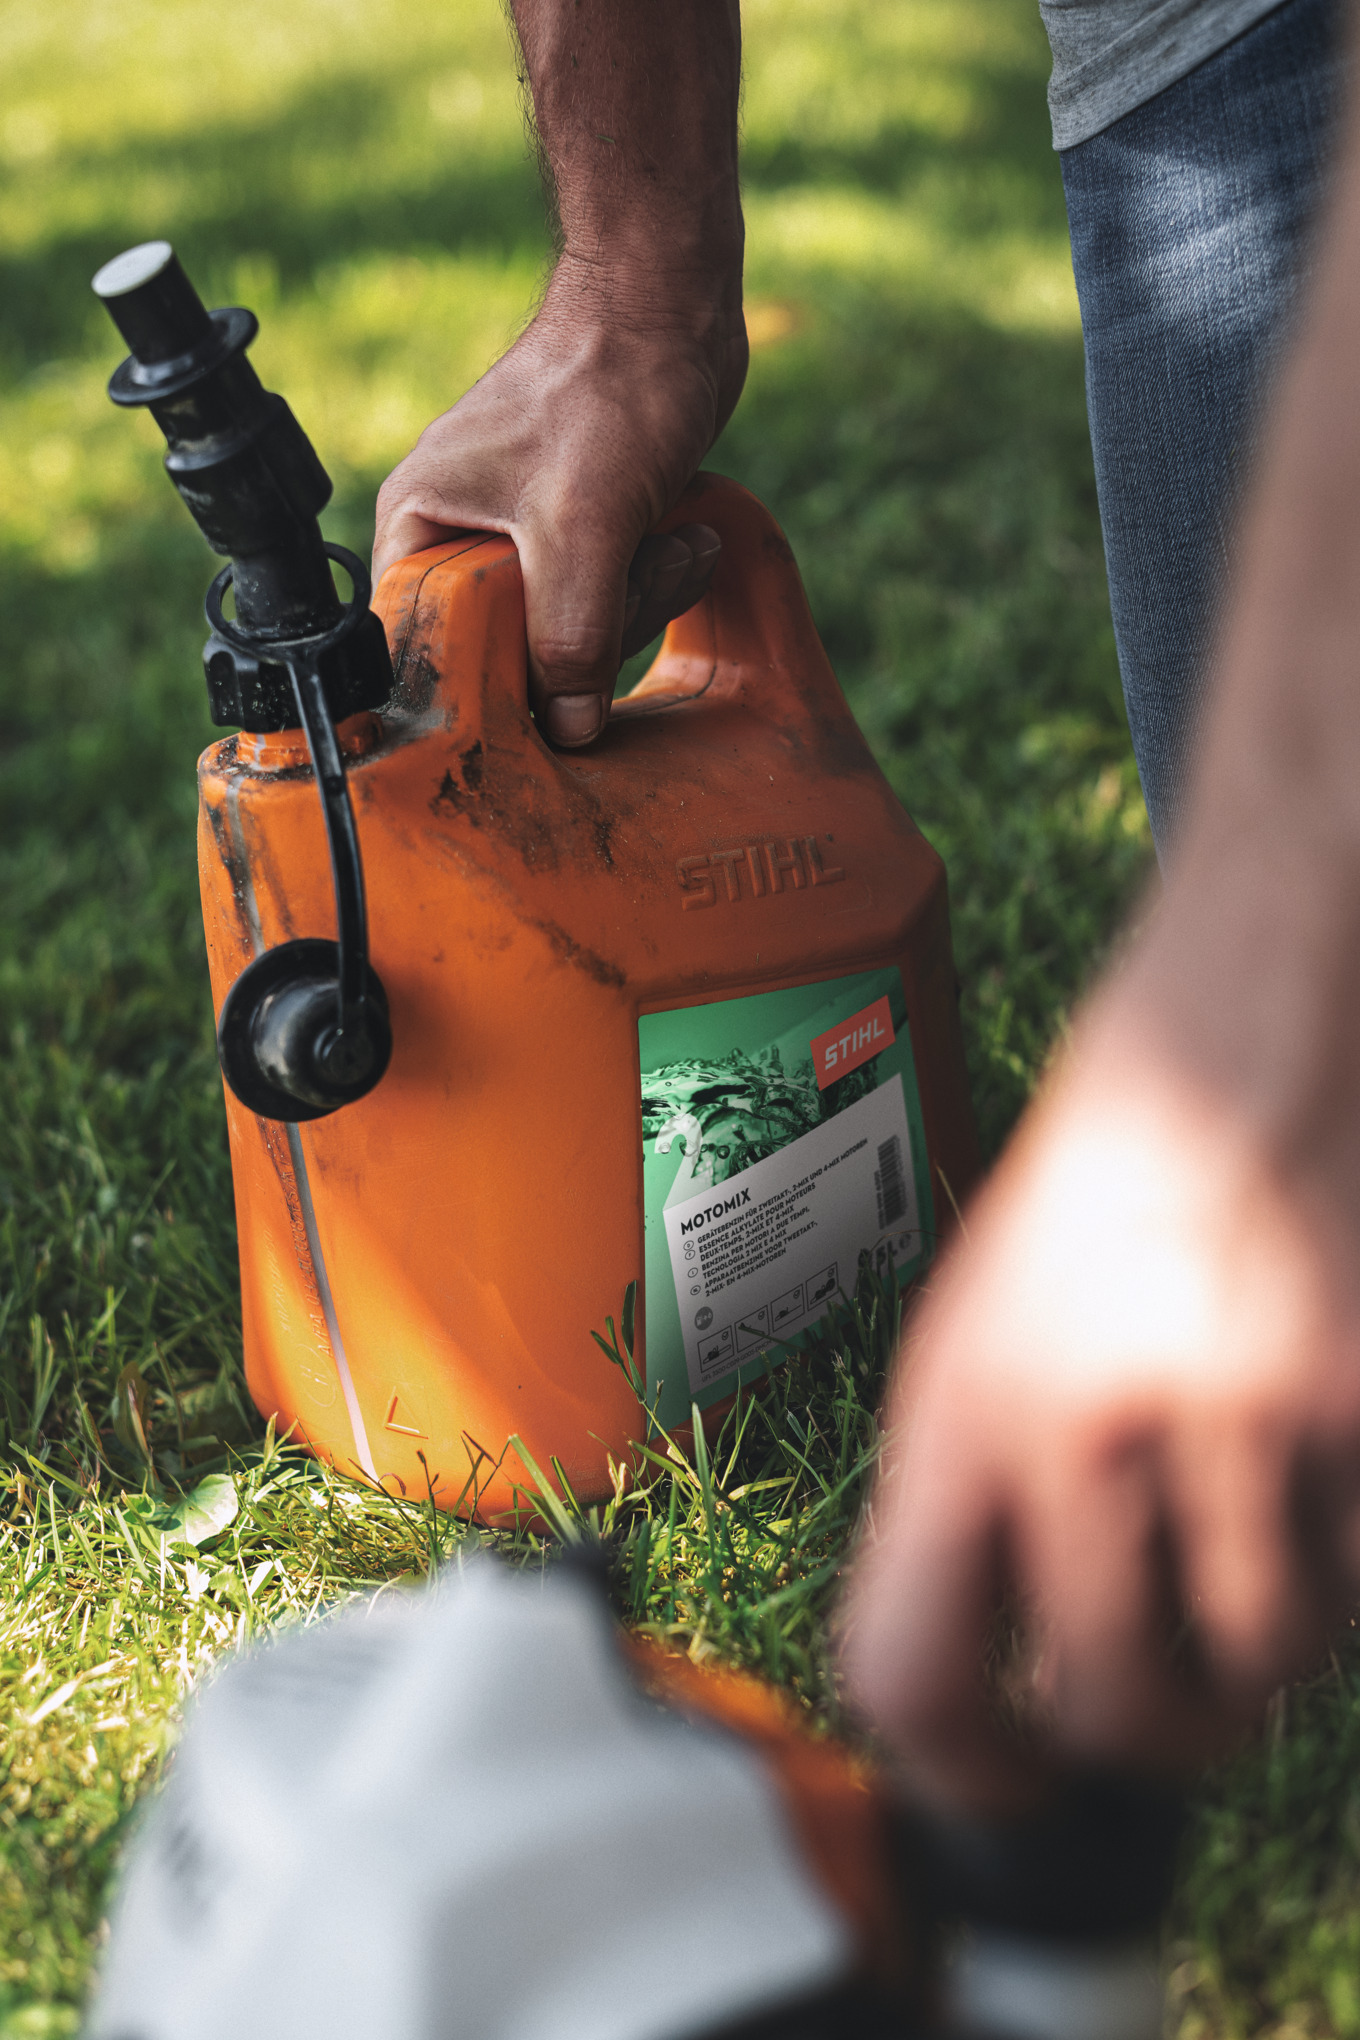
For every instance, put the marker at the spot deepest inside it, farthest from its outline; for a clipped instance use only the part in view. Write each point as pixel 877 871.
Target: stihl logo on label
pixel 842 1049
pixel 754 871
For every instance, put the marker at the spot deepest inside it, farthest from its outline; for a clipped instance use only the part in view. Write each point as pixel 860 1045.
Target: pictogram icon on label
pixel 753 1328
pixel 822 1286
pixel 787 1309
pixel 842 1049
pixel 714 1354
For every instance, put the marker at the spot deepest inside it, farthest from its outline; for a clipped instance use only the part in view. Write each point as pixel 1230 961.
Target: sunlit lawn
pixel 358 175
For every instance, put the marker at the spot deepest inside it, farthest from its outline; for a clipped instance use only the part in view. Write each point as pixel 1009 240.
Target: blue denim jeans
pixel 1190 233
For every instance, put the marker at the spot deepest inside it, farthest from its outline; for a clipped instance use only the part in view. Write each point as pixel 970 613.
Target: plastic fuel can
pixel 677 1010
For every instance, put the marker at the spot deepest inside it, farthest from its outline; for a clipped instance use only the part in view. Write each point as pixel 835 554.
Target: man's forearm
pixel 1264 888
pixel 636 104
pixel 1283 736
pixel 579 440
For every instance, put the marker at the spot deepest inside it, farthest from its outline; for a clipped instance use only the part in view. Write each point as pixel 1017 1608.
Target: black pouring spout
pixel 251 479
pixel 304 1030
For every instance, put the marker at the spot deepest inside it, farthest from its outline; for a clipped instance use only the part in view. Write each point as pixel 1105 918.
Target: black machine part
pixel 305 1029
pixel 1094 1862
pixel 1045 1927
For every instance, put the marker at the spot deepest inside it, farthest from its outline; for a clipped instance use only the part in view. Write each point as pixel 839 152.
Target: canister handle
pixel 752 637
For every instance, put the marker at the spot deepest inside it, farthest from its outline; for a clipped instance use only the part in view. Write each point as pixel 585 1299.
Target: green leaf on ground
pixel 204 1514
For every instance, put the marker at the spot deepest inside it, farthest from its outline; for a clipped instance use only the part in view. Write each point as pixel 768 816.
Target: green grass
pixel 915 418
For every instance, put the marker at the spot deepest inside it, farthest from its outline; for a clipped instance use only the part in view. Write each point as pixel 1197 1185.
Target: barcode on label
pixel 890 1183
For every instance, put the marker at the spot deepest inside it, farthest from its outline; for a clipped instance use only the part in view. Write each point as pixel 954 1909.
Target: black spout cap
pixel 174 341
pixel 281 1048
pixel 152 303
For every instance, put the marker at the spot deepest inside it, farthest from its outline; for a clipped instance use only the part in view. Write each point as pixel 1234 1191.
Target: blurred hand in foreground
pixel 1130 1404
pixel 585 433
pixel 1131 1400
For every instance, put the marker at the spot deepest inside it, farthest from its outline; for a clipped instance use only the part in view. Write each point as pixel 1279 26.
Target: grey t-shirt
pixel 1111 55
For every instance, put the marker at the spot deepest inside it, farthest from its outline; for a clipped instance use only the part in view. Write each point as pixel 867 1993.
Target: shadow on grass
pixel 341 172
pixel 999 170
pixel 309 187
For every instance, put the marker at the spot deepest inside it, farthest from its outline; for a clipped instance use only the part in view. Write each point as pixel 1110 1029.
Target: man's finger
pixel 658 568
pixel 705 547
pixel 669 574
pixel 924 1598
pixel 574 659
pixel 405 532
pixel 574 588
pixel 1102 1564
pixel 1246 1584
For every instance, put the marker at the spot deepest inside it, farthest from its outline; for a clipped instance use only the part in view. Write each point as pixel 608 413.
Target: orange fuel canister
pixel 505 1030
pixel 679 1009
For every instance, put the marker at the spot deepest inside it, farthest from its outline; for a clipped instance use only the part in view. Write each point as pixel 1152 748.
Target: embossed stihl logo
pixel 755 870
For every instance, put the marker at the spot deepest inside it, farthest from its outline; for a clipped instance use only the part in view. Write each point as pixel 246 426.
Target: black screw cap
pixel 153 304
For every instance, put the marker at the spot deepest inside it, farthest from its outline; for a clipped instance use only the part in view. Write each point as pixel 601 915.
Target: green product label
pixel 781 1140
